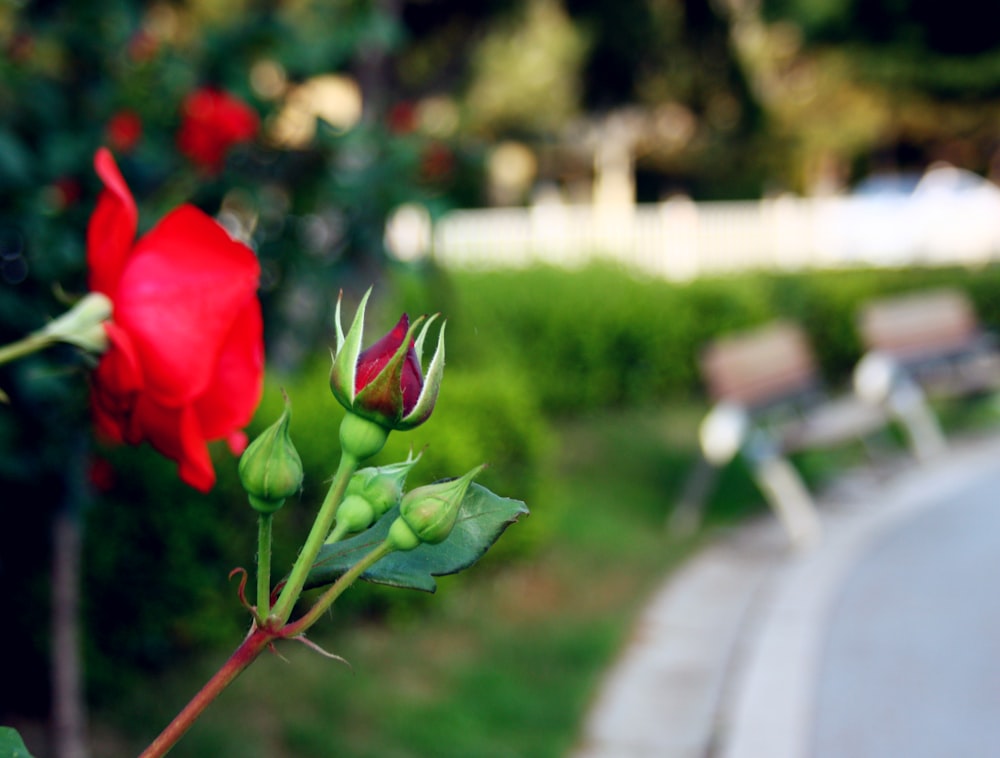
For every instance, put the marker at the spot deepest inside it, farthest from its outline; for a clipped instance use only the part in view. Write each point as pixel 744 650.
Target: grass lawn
pixel 504 659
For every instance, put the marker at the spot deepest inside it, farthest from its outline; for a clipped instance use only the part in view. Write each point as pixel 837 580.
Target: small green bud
pixel 270 468
pixel 382 486
pixel 371 492
pixel 432 510
pixel 355 514
pixel 401 537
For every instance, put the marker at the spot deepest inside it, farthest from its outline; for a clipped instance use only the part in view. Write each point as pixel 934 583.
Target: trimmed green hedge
pixel 601 337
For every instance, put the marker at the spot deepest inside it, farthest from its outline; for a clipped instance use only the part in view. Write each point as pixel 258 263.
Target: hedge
pixel 601 337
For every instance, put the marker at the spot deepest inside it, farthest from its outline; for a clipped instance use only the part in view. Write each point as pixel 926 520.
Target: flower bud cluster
pixel 371 493
pixel 428 514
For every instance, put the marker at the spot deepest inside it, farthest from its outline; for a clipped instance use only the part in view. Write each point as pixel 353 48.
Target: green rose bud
pixel 401 537
pixel 355 514
pixel 432 510
pixel 370 493
pixel 382 486
pixel 270 468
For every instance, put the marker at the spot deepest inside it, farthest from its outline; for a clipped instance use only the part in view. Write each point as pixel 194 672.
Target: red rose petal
pixel 117 381
pixel 372 360
pixel 184 286
pixel 112 227
pixel 230 400
pixel 175 433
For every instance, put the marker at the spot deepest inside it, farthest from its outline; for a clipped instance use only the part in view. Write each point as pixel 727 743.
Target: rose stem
pixel 317 536
pixel 264 521
pixel 243 656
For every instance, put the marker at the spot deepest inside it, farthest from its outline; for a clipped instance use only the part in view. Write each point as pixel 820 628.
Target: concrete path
pixel 884 641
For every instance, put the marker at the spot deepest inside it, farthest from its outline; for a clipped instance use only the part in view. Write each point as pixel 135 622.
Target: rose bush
pixel 186 358
pixel 212 122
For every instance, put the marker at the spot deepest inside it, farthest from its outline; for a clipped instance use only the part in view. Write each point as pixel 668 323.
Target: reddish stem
pixel 243 656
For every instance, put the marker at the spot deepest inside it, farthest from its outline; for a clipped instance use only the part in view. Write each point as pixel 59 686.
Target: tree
pixel 904 82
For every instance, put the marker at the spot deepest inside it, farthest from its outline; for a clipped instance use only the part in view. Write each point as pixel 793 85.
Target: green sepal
pixel 345 360
pixel 482 518
pixel 11 744
pixel 421 411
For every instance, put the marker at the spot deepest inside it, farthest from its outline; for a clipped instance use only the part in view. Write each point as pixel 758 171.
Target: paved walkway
pixel 884 641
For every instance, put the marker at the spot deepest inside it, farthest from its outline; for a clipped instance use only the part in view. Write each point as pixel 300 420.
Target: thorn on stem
pixel 325 653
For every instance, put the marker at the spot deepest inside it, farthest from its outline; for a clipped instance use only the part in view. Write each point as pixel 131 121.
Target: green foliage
pixel 600 338
pixel 11 744
pixel 157 555
pixel 519 642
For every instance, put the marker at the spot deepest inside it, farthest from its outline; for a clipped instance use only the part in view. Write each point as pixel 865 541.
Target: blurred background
pixel 589 191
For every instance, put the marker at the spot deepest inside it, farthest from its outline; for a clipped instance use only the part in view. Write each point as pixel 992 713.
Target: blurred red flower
pixel 402 118
pixel 124 130
pixel 212 122
pixel 143 47
pixel 65 191
pixel 186 358
pixel 436 162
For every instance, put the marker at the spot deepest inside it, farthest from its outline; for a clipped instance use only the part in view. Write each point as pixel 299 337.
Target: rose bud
pixel 270 468
pixel 430 512
pixel 370 493
pixel 383 384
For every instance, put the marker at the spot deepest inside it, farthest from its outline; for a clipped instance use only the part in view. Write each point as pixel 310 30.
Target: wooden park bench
pixel 770 401
pixel 934 337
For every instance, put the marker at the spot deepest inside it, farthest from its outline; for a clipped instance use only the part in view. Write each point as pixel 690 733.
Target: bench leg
pixel 789 499
pixel 909 406
pixel 687 515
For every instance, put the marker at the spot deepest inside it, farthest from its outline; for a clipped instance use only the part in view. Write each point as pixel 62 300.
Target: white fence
pixel 680 239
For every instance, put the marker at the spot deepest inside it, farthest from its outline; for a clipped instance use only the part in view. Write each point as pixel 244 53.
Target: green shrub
pixel 601 337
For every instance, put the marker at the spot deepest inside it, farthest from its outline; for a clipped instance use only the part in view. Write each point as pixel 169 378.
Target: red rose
pixel 211 123
pixel 384 383
pixel 186 358
pixel 124 130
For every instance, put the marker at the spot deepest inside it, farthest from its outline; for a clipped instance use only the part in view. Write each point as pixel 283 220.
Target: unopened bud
pixel 432 510
pixel 270 468
pixel 371 492
pixel 381 486
pixel 355 514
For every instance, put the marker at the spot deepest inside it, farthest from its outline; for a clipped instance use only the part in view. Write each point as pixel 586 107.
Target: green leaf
pixel 482 519
pixel 11 744
pixel 15 166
